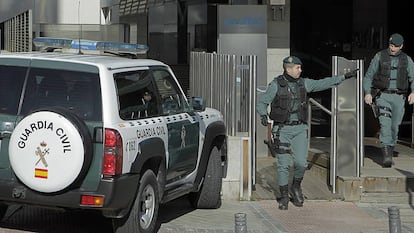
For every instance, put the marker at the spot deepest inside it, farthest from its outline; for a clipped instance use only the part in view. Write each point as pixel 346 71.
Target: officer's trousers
pixel 297 137
pixel 391 115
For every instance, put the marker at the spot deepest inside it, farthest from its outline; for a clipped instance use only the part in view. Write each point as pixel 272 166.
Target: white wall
pixel 78 11
pixel 55 11
pixel 274 62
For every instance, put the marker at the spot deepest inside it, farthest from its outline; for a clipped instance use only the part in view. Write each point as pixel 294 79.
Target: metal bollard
pixel 240 223
pixel 394 219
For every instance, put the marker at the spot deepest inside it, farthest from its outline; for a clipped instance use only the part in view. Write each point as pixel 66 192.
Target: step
pixel 387 184
pixel 373 177
pixel 353 188
pixel 386 197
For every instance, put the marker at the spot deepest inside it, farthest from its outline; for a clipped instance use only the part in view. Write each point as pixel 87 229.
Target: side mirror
pixel 198 103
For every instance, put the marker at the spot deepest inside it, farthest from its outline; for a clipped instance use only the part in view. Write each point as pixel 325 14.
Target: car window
pixel 136 95
pixel 79 92
pixel 173 101
pixel 11 86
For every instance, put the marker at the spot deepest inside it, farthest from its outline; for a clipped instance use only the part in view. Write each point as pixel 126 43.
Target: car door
pixel 12 80
pixel 183 128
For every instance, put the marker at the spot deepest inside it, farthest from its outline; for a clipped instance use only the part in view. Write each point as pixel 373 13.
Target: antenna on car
pixel 80 29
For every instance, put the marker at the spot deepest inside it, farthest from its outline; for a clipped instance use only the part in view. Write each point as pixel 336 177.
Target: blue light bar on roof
pixel 84 44
pixel 89 45
pixel 126 47
pixel 52 42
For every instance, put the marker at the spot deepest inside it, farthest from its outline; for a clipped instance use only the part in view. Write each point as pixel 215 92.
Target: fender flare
pixel 214 130
pixel 151 148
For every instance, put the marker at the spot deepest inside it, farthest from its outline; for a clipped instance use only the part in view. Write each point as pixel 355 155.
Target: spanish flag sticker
pixel 41 173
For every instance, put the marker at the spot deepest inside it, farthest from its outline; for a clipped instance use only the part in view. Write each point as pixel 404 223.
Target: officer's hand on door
pixel 351 74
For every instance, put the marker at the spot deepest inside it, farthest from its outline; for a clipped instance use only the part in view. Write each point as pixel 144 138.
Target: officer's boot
pixel 391 152
pixel 284 199
pixel 387 156
pixel 394 153
pixel 296 192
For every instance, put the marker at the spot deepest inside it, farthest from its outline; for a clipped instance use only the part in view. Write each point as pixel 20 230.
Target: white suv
pixel 105 133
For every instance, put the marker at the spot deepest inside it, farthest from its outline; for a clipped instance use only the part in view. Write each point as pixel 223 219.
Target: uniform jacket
pixel 392 72
pixel 290 99
pixel 310 85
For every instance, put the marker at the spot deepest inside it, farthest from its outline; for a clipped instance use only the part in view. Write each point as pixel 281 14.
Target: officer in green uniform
pixel 287 95
pixel 386 85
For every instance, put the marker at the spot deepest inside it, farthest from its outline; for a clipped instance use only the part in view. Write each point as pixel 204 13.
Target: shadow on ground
pixel 374 153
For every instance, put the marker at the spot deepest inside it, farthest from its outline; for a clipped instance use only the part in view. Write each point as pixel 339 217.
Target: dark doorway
pixel 399 14
pixel 319 30
pixel 325 28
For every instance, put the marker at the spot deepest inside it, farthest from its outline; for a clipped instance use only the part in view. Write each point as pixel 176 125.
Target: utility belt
pixel 375 92
pixel 394 91
pixel 291 123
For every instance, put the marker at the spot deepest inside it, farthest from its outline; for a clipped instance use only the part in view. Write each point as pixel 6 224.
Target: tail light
pixel 91 200
pixel 113 153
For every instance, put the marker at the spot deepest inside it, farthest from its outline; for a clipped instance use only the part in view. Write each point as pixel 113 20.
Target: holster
pixel 271 148
pixel 375 109
pixel 274 147
pixel 375 93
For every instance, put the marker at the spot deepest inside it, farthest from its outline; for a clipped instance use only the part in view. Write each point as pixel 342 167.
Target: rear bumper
pixel 119 194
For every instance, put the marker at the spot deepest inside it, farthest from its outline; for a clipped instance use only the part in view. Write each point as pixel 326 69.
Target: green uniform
pixel 293 134
pixel 390 100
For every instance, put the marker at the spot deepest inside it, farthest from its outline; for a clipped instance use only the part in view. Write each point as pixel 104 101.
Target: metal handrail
pixel 319 105
pixel 310 102
pixel 333 130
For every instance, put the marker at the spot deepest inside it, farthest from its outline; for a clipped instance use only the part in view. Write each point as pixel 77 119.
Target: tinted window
pixel 171 97
pixel 136 95
pixel 78 91
pixel 11 85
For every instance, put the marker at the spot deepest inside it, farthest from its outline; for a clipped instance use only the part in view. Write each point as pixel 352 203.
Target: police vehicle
pixel 84 126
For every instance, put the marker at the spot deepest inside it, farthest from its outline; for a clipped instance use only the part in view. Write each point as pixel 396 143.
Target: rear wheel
pixel 144 213
pixel 209 195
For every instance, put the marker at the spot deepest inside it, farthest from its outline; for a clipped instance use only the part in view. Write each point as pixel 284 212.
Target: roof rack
pixel 89 46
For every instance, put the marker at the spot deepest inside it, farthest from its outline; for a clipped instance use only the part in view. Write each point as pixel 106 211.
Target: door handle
pixel 5 134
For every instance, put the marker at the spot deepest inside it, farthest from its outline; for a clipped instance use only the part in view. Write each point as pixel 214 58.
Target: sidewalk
pixel 264 216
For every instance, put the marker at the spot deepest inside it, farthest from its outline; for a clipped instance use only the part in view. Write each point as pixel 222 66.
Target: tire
pixel 50 150
pixel 161 180
pixel 209 195
pixel 3 210
pixel 144 212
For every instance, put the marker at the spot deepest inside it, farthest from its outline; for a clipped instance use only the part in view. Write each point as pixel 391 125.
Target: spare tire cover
pixel 46 151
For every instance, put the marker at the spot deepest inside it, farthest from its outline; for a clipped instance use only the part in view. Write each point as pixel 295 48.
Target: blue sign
pixel 242 19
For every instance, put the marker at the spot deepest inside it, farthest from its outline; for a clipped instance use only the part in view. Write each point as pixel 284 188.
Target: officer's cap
pixel 292 60
pixel 396 39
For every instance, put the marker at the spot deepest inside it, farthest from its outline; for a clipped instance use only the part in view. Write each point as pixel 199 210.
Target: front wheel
pixel 144 213
pixel 209 195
